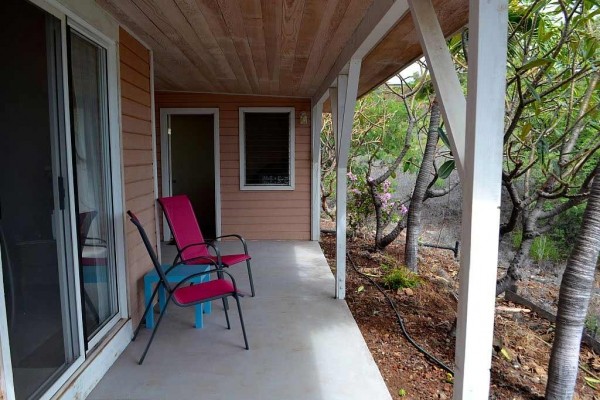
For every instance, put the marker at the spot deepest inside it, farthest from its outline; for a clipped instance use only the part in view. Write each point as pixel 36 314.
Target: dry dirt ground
pixel 522 339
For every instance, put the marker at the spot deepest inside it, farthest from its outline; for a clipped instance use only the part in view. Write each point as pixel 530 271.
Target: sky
pixel 406 72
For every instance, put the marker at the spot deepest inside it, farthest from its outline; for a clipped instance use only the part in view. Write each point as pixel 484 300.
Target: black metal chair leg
pixel 162 312
pixel 226 313
pixel 225 300
pixel 148 307
pixel 237 299
pixel 250 277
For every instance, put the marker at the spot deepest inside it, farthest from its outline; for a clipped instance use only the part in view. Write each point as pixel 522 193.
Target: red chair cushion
pixel 203 291
pixel 227 261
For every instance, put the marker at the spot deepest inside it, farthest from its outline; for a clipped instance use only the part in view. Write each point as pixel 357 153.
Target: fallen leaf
pixel 506 354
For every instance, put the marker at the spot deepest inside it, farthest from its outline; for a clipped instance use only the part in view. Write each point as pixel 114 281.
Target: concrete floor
pixel 304 345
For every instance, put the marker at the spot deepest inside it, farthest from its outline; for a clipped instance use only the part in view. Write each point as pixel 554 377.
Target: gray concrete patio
pixel 304 345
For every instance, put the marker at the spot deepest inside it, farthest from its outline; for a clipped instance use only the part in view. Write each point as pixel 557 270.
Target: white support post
pixel 488 22
pixel 343 100
pixel 317 120
pixel 444 76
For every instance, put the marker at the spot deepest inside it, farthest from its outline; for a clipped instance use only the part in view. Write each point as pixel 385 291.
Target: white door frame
pixel 165 154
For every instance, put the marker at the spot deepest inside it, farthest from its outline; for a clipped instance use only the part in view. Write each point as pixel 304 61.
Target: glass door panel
pixel 34 226
pixel 91 161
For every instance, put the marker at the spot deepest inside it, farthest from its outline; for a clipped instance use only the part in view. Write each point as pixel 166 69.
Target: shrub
pixel 402 277
pixel 517 238
pixel 544 248
pixel 566 228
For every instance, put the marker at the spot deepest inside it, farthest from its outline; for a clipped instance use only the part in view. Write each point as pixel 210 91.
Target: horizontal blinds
pixel 267 148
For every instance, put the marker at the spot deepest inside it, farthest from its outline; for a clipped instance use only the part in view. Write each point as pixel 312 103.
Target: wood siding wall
pixel 136 123
pixel 253 214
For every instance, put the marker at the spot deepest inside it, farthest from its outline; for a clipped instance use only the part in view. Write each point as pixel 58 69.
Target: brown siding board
pixel 133 77
pixel 137 173
pixel 140 189
pixel 137 157
pixel 135 141
pixel 132 60
pixel 136 125
pixel 136 110
pixel 138 162
pixel 135 46
pixel 283 214
pixel 135 94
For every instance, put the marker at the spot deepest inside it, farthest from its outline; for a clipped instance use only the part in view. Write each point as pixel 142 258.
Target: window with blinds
pixel 267 148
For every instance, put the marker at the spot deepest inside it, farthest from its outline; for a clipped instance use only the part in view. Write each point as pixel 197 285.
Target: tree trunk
pixel 513 274
pixel 530 232
pixel 413 226
pixel 573 301
pixel 386 240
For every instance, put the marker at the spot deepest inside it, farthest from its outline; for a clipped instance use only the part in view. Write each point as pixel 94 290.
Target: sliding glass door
pixel 91 162
pixel 57 188
pixel 35 229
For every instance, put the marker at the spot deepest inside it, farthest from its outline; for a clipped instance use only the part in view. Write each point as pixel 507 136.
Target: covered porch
pixel 302 344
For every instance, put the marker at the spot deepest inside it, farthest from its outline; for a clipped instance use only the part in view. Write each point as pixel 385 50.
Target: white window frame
pixel 291 147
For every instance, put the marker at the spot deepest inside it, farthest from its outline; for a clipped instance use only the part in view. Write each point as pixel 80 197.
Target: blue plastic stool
pixel 176 275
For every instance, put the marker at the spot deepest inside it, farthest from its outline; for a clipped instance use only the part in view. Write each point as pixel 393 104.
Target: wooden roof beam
pixel 379 19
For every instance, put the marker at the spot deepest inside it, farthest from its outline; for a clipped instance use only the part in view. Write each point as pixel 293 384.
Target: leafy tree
pixel 551 141
pixel 424 188
pixel 382 138
pixel 574 298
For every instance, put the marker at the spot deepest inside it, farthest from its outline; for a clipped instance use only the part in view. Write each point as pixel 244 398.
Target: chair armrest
pixel 207 244
pixel 186 279
pixel 202 258
pixel 241 239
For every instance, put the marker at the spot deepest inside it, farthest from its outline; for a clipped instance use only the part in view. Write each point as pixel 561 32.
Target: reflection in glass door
pixel 91 161
pixel 34 223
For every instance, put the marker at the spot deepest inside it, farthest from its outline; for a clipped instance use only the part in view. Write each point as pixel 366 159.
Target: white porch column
pixel 317 121
pixel 481 196
pixel 343 100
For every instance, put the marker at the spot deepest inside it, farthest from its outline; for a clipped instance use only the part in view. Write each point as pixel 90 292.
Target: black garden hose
pixel 428 356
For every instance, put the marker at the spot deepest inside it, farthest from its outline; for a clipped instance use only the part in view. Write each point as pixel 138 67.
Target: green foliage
pixel 402 277
pixel 592 324
pixel 517 238
pixel 566 228
pixel 379 130
pixel 544 248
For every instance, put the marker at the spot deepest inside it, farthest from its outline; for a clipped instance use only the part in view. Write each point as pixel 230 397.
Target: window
pixel 267 148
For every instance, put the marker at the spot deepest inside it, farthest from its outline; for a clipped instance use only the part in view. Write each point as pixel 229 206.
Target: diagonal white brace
pixel 445 79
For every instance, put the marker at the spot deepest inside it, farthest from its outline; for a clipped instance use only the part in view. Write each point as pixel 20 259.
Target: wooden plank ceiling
pixel 268 47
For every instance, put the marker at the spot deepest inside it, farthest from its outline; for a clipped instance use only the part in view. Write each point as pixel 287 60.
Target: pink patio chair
pixel 190 242
pixel 186 296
